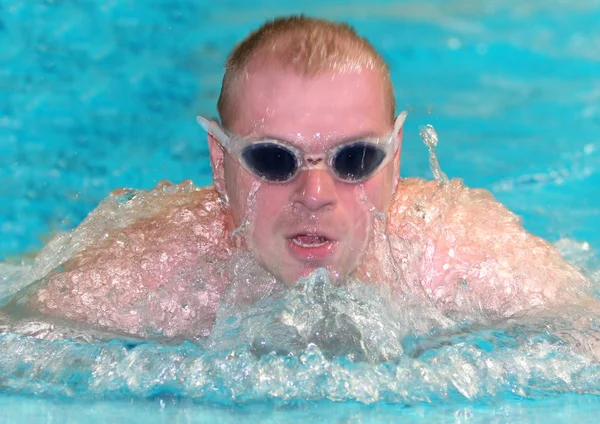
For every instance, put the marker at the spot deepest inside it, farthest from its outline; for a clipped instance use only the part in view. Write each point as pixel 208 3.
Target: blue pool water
pixel 100 95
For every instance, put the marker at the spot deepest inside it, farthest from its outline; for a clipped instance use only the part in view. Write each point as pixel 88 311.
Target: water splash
pixel 378 261
pixel 341 321
pixel 314 341
pixel 241 232
pixel 430 138
pixel 348 341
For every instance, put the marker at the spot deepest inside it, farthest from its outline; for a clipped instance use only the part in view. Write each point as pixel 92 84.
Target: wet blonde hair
pixel 305 45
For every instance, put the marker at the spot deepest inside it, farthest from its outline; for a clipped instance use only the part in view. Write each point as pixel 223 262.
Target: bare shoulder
pixel 433 205
pixel 434 196
pixel 464 237
pixel 146 263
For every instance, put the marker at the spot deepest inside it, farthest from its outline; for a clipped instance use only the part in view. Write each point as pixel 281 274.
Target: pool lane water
pixel 554 410
pixel 99 96
pixel 95 96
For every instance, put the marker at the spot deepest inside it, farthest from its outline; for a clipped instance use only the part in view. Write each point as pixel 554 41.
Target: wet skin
pixel 314 114
pixel 166 272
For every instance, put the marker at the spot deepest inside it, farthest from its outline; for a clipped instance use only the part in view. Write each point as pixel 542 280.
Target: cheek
pixel 355 213
pixel 271 203
pixel 238 184
pixel 379 188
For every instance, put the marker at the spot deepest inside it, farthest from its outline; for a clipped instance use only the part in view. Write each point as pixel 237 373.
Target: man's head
pixel 313 85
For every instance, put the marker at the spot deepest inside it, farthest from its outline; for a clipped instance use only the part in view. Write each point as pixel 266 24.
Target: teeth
pixel 310 241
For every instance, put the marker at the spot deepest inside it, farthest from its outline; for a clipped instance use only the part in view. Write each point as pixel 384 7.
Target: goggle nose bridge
pixel 317 161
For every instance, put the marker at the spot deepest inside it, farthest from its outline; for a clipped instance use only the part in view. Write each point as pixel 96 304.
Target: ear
pixel 217 164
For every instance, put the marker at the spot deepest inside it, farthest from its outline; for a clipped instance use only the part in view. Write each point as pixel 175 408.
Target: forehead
pixel 272 101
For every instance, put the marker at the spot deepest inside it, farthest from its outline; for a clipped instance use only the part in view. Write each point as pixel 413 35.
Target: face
pixel 313 221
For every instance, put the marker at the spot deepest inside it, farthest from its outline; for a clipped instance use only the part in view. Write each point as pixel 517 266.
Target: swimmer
pixel 305 164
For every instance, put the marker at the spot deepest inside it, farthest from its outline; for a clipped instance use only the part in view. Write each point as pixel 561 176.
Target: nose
pixel 315 190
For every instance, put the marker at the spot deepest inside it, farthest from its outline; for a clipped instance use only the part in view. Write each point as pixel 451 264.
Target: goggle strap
pixel 399 123
pixel 215 130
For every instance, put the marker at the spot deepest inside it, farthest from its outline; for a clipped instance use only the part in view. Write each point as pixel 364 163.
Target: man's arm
pixel 470 248
pixel 158 275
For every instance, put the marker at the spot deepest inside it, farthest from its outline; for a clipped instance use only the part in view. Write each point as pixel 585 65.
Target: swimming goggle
pixel 276 161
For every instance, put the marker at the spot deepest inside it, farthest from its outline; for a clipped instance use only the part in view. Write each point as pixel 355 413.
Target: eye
pixel 357 160
pixel 270 161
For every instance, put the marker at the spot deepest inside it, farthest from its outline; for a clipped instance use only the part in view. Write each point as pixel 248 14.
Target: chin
pixel 290 269
pixel 292 278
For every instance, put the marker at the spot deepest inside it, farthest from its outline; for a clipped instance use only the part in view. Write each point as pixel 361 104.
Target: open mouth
pixel 310 240
pixel 310 247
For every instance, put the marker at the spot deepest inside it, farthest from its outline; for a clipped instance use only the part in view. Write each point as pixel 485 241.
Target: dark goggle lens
pixel 357 161
pixel 270 161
